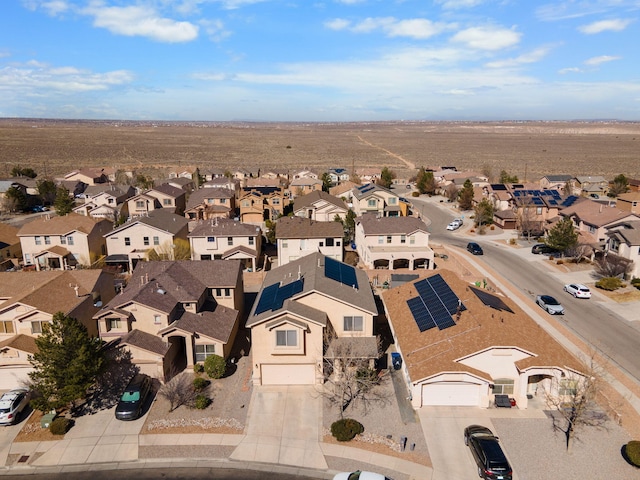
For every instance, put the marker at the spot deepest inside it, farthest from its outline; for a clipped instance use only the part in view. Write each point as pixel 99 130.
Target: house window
pixel 275 201
pixel 127 241
pixel 47 240
pixel 403 239
pixel 204 351
pixel 503 386
pixel 211 239
pixel 252 241
pixel 372 203
pixel 139 204
pixel 27 258
pixel 227 292
pixel 245 203
pixel 210 201
pixel 223 201
pixel 145 240
pixel 36 327
pixel 286 338
pixel 591 230
pixel 113 323
pixel 110 201
pixel 63 240
pixel 329 242
pixel 353 324
pixel 412 240
pixel 156 240
pixel 380 239
pixel 538 210
pixel 229 241
pixel 285 244
pixel 38 240
pixel 6 326
pixel 218 292
pixel 388 238
pixel 69 240
pixel 156 319
pixel 166 201
pixel 568 386
pixel 393 200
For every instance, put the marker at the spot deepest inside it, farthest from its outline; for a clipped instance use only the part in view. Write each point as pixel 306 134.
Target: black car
pixel 539 248
pixel 134 396
pixel 474 248
pixel 486 451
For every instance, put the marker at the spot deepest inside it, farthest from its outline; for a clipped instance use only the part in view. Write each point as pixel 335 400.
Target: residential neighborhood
pixel 308 280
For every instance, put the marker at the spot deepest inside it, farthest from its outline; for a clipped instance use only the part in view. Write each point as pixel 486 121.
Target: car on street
pixel 359 475
pixel 550 304
pixel 12 404
pixel 539 248
pixel 133 398
pixel 578 290
pixel 487 452
pixel 474 248
pixel 455 224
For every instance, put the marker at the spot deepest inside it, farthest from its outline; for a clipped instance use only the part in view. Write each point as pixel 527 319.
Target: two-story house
pixel 170 197
pixel 393 242
pixel 208 203
pixel 304 186
pixel 304 309
pixel 226 239
pixel 88 176
pixel 258 204
pixel 371 197
pixel 58 243
pixel 299 236
pixel 338 175
pixel 173 314
pixel 623 239
pixel 28 300
pixel 9 246
pixel 586 185
pixel 104 200
pixel 556 182
pixel 629 202
pixel 140 205
pixel 320 206
pixel 132 241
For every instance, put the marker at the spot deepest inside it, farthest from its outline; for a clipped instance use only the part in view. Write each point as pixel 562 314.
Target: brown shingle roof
pixel 56 225
pixel 594 213
pixel 315 196
pixel 24 343
pixel 213 321
pixel 374 225
pixel 224 227
pixel 300 227
pixel 8 234
pixel 145 341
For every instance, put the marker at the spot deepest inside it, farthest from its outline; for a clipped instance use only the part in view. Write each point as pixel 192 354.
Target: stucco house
pixel 208 203
pixel 140 205
pixel 9 245
pixel 297 306
pixel 226 239
pixel 623 239
pixel 133 240
pixel 375 198
pixel 88 176
pixel 184 183
pixel 320 206
pixel 258 204
pixel 30 299
pixel 61 242
pixel 461 345
pixel 174 314
pixel 588 184
pixel 393 242
pixel 629 202
pixel 298 236
pixel 304 186
pixel 556 182
pixel 170 197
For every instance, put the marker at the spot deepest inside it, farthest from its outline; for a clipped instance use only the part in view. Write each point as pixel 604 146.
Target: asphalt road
pixel 608 332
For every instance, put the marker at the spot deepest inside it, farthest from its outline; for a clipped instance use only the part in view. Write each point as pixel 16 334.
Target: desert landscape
pixel 526 149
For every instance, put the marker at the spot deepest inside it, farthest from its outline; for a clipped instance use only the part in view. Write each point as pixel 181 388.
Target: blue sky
pixel 331 60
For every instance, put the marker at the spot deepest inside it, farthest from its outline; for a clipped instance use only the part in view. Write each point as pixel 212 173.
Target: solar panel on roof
pixel 490 300
pixel 570 200
pixel 498 186
pixel 273 296
pixel 267 297
pixel 340 272
pixel 537 201
pixel 436 302
pixel 421 315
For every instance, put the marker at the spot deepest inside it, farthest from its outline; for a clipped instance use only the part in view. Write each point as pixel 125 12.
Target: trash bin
pixel 46 419
pixel 396 360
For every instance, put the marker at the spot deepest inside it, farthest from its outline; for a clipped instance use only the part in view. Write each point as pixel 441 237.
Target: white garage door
pixel 455 394
pixel 14 377
pixel 295 374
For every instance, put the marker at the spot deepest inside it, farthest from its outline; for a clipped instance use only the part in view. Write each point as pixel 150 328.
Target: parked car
pixel 474 248
pixel 12 403
pixel 358 475
pixel 578 290
pixel 487 452
pixel 455 224
pixel 550 304
pixel 539 248
pixel 133 398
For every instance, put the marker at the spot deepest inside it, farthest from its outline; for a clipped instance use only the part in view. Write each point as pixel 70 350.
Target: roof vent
pixel 161 291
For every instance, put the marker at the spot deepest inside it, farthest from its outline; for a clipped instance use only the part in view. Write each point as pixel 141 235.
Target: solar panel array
pixel 435 304
pixel 498 186
pixel 340 272
pixel 366 188
pixel 539 197
pixel 491 300
pixel 570 200
pixel 273 296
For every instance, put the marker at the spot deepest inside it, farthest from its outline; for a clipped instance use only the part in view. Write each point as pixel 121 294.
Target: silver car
pixel 550 304
pixel 12 404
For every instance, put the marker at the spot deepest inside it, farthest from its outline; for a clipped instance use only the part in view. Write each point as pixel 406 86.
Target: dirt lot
pixel 526 149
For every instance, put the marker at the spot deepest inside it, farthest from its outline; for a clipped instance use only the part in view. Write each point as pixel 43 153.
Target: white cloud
pixel 459 4
pixel 596 61
pixel 140 21
pixel 613 25
pixel 52 7
pixel 235 4
pixel 569 9
pixel 418 28
pixel 487 38
pixel 569 70
pixel 530 57
pixel 215 29
pixel 349 2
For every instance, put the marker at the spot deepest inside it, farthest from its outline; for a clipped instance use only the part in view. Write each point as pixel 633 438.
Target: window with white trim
pixel 36 327
pixel 286 338
pixel 70 240
pixel 503 386
pixel 113 323
pixel 156 319
pixel 353 323
pixel 6 326
pixel 204 351
pixel 567 386
pixel 38 240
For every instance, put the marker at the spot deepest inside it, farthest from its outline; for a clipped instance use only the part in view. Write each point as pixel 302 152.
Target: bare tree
pixel 350 376
pixel 579 252
pixel 451 192
pixel 612 265
pixel 527 221
pixel 572 399
pixel 178 391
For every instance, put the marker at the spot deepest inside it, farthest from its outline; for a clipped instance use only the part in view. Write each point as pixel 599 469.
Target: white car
pixel 358 475
pixel 12 404
pixel 454 225
pixel 578 290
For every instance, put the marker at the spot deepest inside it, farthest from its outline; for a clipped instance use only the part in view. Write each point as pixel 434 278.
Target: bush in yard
pixel 636 282
pixel 415 194
pixel 215 366
pixel 202 402
pixel 609 283
pixel 198 368
pixel 632 452
pixel 60 426
pixel 200 383
pixel 345 429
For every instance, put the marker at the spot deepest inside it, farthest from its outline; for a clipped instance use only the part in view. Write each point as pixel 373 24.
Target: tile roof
pixel 224 227
pixel 200 196
pixel 110 188
pixel 22 342
pixel 479 328
pixel 168 190
pixel 160 219
pixel 8 234
pixel 629 232
pixel 145 341
pixel 57 225
pixel 301 227
pixel 304 201
pixel 595 213
pixel 214 321
pixel 374 225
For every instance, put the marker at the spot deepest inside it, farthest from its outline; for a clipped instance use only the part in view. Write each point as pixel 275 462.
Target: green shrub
pixel 635 281
pixel 60 426
pixel 201 402
pixel 345 429
pixel 415 194
pixel 609 283
pixel 198 368
pixel 632 452
pixel 215 366
pixel 200 384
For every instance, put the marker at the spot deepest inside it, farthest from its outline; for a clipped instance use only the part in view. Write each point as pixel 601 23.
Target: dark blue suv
pixel 485 448
pixel 474 248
